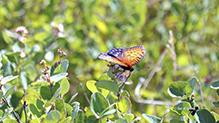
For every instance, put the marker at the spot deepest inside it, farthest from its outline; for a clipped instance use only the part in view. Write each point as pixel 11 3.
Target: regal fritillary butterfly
pixel 126 58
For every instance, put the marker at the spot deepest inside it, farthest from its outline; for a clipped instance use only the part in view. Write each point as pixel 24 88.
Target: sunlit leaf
pixel 58 77
pixel 190 86
pixel 111 86
pixel 54 116
pixel 98 103
pixel 65 86
pixel 152 119
pixel 8 79
pixel 215 85
pixel 35 85
pixel 176 89
pixel 91 86
pixel 124 104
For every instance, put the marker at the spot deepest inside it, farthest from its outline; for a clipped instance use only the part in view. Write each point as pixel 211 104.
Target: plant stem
pixel 17 118
pixel 51 88
pixel 24 106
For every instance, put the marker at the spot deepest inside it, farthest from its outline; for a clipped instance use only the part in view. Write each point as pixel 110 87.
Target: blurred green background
pixel 94 26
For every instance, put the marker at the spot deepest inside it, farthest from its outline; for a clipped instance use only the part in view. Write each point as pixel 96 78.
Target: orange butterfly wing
pixel 133 55
pixel 126 58
pixel 111 59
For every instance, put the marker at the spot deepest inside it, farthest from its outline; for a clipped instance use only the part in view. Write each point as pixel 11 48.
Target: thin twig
pixel 172 50
pixel 17 118
pixel 199 83
pixel 83 91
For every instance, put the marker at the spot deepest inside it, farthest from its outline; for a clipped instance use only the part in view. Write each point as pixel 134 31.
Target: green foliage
pixel 73 85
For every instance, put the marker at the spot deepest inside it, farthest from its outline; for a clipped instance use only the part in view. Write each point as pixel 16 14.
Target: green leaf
pixel 108 113
pixel 10 91
pixel 167 111
pixel 68 109
pixel 125 93
pixel 36 85
pixel 39 104
pixel 80 118
pixel 6 34
pixel 67 120
pixel 204 116
pixel 60 106
pixel 216 116
pixel 152 119
pixel 176 121
pixel 31 98
pixel 120 120
pixel 182 108
pixel 57 92
pixel 104 77
pixel 123 104
pixel 7 112
pixel 190 86
pixel 62 68
pixel 7 69
pixel 65 86
pixel 91 86
pixel 54 116
pixel 216 104
pixel 90 115
pixel 218 92
pixel 72 98
pixel 45 93
pixel 44 37
pixel 31 72
pixel 111 86
pixel 98 103
pixel 129 117
pixel 10 121
pixel 7 79
pixel 34 110
pixel 215 85
pixel 23 80
pixel 58 77
pixel 176 89
pixel 16 98
pixel 75 112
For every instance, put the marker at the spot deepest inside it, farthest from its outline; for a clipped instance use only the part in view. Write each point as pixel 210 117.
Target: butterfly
pixel 125 58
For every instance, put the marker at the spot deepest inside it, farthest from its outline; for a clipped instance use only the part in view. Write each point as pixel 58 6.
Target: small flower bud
pixel 45 78
pixel 60 52
pixel 64 54
pixel 47 68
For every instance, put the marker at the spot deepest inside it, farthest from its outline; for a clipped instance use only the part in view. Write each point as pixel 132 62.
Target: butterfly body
pixel 126 58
